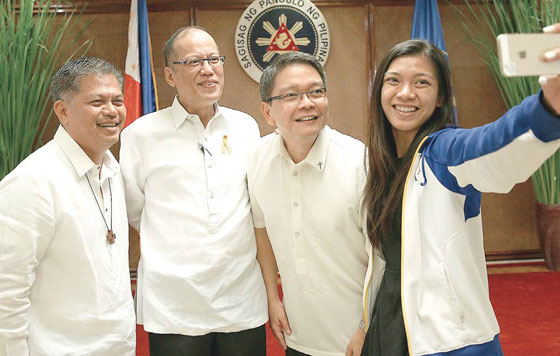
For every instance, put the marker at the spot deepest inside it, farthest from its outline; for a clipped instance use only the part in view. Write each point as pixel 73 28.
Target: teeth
pixel 108 125
pixel 405 108
pixel 307 118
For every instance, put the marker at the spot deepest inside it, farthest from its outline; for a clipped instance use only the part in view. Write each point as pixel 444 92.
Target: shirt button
pixel 297 234
pixel 211 195
pixel 206 139
pixel 295 174
pixel 296 204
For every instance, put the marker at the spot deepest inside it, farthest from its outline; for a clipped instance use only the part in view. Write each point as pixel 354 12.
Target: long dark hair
pixel 386 178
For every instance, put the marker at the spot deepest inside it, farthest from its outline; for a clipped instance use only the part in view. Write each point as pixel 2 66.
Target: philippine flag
pixel 140 96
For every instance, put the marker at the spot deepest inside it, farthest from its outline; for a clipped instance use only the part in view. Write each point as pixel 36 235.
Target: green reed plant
pixel 34 42
pixel 514 16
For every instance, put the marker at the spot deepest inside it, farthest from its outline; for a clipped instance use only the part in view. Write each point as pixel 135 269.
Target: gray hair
pixel 281 62
pixel 168 47
pixel 67 79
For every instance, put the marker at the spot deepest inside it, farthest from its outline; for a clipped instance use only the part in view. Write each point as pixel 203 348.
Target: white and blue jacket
pixel 444 284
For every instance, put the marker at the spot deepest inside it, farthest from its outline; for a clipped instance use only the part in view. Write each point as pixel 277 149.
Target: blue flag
pixel 426 25
pixel 149 102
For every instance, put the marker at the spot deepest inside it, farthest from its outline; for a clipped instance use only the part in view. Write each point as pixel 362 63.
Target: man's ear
pixel 169 77
pixel 60 108
pixel 265 109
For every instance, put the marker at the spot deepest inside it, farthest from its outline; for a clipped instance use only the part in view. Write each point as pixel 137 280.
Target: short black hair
pixel 281 62
pixel 67 79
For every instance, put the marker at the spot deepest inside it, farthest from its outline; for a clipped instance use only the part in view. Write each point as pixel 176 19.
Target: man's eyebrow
pixel 295 88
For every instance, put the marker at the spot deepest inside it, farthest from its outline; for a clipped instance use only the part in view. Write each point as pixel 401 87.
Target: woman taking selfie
pixel 427 275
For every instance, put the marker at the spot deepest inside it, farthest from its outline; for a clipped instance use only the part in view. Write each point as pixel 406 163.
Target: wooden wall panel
pixel 509 221
pixel 346 74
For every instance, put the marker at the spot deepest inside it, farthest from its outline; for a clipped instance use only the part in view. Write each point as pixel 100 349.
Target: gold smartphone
pixel 519 53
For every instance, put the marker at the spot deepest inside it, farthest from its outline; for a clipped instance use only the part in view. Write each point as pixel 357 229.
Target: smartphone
pixel 519 53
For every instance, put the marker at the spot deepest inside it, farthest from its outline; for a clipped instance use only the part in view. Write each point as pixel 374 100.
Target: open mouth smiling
pixel 108 124
pixel 208 84
pixel 307 118
pixel 405 109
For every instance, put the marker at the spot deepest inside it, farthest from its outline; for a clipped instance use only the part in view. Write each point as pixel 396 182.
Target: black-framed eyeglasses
pixel 195 62
pixel 314 94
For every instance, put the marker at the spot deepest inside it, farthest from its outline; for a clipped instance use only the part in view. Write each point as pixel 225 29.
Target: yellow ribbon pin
pixel 225 145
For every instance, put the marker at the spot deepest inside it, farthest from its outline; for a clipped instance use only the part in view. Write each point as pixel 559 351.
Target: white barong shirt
pixel 186 191
pixel 311 213
pixel 64 290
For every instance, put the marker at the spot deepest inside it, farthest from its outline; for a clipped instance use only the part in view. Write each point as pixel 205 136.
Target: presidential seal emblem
pixel 269 28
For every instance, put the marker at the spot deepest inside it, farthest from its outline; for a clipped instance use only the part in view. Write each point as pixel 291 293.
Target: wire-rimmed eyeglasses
pixel 195 62
pixel 315 94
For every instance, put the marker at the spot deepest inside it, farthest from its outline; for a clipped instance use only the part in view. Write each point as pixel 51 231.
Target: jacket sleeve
pixel 133 175
pixel 372 281
pixel 27 226
pixel 496 156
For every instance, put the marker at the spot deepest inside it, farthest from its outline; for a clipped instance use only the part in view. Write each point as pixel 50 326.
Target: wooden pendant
pixel 111 236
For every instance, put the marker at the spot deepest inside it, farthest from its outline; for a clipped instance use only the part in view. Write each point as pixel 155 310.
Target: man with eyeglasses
pixel 200 291
pixel 305 186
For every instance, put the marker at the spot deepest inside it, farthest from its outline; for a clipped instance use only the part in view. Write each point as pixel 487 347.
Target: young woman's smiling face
pixel 409 96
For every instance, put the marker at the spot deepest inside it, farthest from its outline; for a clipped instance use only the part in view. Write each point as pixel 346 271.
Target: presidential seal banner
pixel 269 28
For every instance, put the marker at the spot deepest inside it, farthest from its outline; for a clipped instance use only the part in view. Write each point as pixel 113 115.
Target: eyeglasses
pixel 195 62
pixel 293 98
